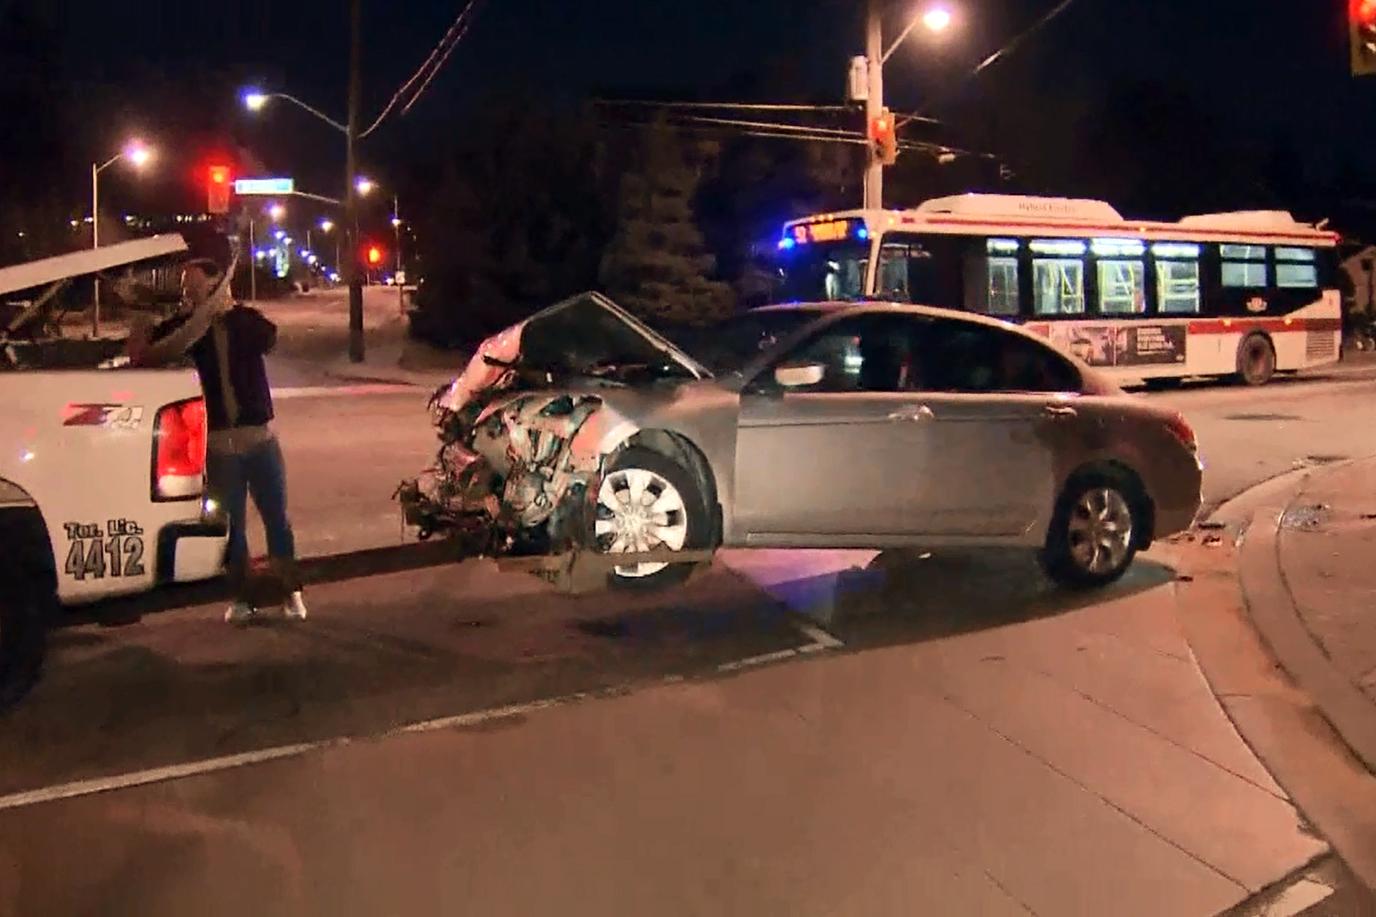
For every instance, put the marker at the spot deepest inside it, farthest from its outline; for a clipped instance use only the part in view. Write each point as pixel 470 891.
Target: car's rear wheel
pixel 647 501
pixel 28 602
pixel 1094 532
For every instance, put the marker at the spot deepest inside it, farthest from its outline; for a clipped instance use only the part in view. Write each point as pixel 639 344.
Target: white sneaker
pixel 295 606
pixel 240 613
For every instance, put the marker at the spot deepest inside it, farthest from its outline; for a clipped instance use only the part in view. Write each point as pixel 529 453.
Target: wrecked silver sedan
pixel 581 432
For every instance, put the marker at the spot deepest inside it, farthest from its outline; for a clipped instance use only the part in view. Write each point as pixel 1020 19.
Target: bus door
pixel 921 269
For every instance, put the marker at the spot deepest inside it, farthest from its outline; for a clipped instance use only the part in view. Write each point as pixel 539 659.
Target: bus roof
pixel 1058 216
pixel 32 274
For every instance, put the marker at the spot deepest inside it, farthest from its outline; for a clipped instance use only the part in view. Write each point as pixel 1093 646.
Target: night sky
pixel 1263 64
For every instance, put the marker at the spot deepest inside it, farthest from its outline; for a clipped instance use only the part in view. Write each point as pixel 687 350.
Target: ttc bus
pixel 1242 295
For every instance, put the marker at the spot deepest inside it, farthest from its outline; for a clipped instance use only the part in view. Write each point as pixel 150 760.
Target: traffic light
pixel 1361 26
pixel 219 188
pixel 374 255
pixel 884 136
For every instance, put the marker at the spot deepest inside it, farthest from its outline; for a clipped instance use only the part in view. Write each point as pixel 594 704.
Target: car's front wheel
pixel 648 501
pixel 1094 533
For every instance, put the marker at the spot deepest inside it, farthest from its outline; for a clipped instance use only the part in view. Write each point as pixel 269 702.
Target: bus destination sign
pixel 828 231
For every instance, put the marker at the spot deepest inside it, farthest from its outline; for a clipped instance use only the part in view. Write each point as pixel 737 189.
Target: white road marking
pixel 1299 897
pixel 821 641
pixel 340 391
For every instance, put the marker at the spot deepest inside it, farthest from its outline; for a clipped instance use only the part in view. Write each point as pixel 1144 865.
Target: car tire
pixel 28 603
pixel 1095 509
pixel 683 522
pixel 1256 360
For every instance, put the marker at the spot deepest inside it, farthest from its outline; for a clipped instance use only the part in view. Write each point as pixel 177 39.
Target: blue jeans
pixel 259 473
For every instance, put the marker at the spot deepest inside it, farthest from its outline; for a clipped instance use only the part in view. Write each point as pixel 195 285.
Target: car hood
pixel 582 336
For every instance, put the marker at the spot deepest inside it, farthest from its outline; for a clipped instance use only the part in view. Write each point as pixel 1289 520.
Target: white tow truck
pixel 102 466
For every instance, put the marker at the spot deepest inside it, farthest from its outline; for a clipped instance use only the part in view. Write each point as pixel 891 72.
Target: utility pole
pixel 874 100
pixel 350 267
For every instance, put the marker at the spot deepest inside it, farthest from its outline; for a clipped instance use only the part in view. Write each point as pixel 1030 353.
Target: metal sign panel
pixel 265 186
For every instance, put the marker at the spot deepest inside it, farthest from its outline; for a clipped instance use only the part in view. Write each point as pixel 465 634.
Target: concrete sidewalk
pixel 1045 757
pixel 1277 605
pixel 1325 544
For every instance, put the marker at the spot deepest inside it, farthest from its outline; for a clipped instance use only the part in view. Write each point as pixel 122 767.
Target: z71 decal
pixel 112 416
pixel 96 554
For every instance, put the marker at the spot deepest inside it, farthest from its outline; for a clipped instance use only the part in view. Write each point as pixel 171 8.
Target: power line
pixel 456 31
pixel 751 106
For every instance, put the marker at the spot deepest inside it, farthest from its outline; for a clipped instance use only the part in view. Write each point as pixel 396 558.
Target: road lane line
pixel 58 792
pixel 1296 899
pixel 341 391
pixel 821 640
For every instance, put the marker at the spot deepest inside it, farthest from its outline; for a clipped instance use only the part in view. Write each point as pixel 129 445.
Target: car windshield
pixel 727 346
pixel 822 273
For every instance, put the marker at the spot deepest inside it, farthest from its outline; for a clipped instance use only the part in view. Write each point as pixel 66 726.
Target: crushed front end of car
pixel 522 430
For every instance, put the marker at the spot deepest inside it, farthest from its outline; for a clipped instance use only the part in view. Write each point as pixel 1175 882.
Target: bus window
pixel 1177 277
pixel 1296 269
pixel 1122 276
pixel 1244 266
pixel 992 279
pixel 1058 275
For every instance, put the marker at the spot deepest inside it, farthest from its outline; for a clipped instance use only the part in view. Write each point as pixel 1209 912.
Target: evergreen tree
pixel 658 265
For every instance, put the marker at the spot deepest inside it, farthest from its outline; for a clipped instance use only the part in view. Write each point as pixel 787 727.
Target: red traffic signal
pixel 372 254
pixel 884 137
pixel 218 192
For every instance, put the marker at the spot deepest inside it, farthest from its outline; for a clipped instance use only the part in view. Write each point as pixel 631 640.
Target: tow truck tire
pixel 696 521
pixel 28 602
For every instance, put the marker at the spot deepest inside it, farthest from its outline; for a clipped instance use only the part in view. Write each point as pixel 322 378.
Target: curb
pixel 1242 627
pixel 1277 619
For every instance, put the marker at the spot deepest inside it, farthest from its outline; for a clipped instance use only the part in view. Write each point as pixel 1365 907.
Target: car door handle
pixel 1059 412
pixel 916 412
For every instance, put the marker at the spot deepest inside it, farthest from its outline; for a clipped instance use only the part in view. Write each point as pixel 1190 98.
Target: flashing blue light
pixel 862 233
pixel 786 243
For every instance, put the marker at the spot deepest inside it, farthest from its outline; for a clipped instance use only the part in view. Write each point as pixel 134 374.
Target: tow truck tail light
pixel 1182 431
pixel 179 451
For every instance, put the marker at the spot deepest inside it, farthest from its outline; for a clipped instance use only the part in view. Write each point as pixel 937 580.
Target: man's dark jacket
pixel 251 336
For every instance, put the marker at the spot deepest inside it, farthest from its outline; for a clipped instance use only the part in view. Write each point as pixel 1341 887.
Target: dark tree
pixel 658 264
pixel 516 220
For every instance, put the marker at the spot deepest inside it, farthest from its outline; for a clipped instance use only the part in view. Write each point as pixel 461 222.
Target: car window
pixel 867 353
pixel 965 357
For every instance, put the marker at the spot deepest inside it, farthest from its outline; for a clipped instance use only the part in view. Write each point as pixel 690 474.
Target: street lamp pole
pixel 398 274
pixel 138 155
pixel 350 268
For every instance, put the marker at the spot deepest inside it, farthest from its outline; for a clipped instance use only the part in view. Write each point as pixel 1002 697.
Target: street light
pixel 936 19
pixel 276 212
pixel 364 186
pixel 255 101
pixel 137 154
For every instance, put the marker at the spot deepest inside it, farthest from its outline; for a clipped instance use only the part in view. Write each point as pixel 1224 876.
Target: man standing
pixel 228 341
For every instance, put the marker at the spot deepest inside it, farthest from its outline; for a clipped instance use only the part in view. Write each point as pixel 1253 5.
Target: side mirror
pixel 799 375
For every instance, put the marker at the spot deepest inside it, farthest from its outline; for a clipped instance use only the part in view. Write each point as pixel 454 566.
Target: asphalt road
pixel 444 641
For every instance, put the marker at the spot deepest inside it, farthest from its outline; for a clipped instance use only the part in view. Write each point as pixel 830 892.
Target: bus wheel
pixel 1256 360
